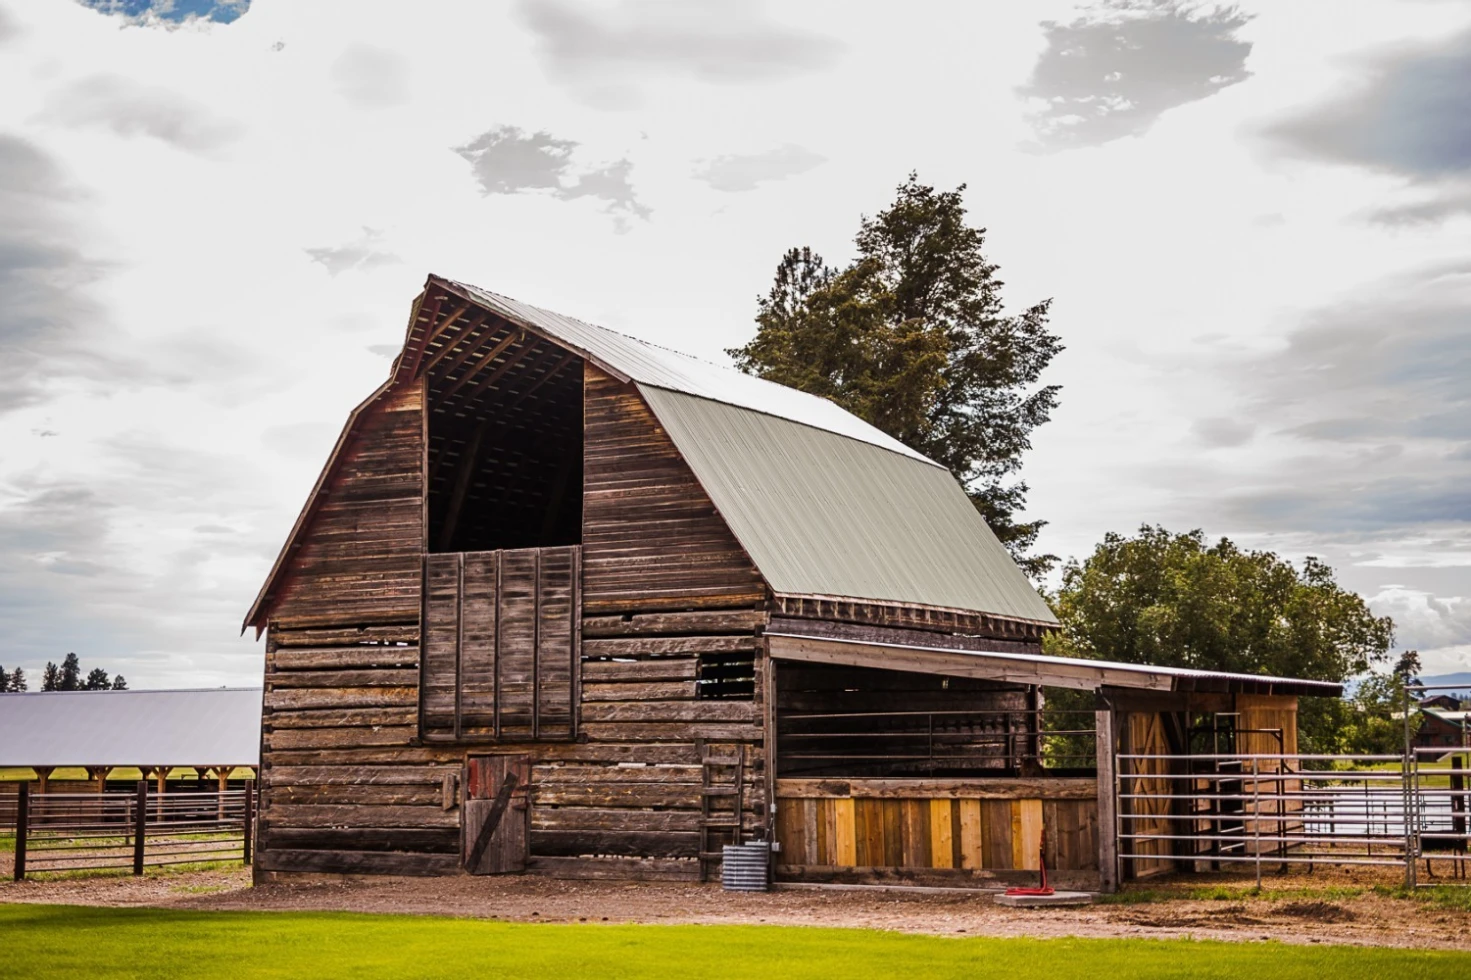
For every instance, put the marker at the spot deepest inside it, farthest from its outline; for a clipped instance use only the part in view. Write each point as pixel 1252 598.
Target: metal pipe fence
pixel 1209 812
pixel 981 738
pixel 73 832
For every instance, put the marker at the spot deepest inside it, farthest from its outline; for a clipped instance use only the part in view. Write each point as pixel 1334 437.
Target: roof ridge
pixel 913 454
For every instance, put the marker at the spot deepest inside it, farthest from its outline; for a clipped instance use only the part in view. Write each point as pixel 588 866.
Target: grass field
pixel 63 942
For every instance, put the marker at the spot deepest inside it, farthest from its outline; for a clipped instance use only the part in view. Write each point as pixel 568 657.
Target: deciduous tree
pixel 1179 601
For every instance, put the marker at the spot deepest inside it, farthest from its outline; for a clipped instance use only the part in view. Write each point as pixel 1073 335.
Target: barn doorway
pixel 503 463
pixel 496 813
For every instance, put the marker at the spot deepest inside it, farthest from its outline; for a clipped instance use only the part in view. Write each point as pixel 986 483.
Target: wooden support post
pixel 22 827
pixel 222 785
pixel 162 775
pixel 140 824
pixel 1108 823
pixel 43 778
pixel 768 712
pixel 249 820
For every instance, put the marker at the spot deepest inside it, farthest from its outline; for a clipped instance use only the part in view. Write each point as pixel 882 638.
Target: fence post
pixel 1409 791
pixel 22 825
pixel 140 825
pixel 249 822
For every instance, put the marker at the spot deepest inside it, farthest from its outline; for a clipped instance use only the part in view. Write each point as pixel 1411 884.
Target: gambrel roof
pixel 825 504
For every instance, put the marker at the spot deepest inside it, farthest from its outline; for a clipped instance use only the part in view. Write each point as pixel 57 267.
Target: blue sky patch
pixel 174 11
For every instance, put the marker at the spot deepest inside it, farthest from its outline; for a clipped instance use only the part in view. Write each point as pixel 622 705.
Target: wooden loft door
pixel 501 645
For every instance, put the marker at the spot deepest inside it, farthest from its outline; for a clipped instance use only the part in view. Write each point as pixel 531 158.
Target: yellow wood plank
pixel 942 841
pixel 970 833
pixel 1026 834
pixel 847 839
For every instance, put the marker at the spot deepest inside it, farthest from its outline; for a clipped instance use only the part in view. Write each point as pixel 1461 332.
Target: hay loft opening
pixel 504 450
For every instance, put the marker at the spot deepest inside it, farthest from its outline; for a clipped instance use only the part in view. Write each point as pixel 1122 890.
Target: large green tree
pixel 912 337
pixel 1177 600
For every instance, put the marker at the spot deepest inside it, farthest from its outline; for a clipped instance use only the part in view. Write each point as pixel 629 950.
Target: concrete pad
pixel 1044 901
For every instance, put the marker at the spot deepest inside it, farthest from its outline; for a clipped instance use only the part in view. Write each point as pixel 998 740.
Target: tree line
pixel 913 336
pixel 67 677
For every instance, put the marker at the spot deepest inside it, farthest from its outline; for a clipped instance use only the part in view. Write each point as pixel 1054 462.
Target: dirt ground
pixel 1298 909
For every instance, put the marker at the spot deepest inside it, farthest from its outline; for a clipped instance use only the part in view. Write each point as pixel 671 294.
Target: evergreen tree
pixel 118 684
pixel 71 674
pixel 4 681
pixel 18 680
pixel 51 678
pixel 912 337
pixel 97 680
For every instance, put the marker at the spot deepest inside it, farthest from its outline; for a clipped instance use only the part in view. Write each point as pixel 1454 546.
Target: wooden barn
pixel 565 602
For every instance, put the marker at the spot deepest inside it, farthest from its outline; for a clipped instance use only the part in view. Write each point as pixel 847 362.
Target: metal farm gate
pixel 1219 810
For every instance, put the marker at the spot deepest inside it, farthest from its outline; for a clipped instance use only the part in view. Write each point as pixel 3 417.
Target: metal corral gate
pixel 1212 812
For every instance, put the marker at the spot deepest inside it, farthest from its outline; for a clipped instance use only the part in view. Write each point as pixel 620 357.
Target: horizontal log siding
pixel 347 787
pixel 344 787
pixel 651 537
pixel 358 561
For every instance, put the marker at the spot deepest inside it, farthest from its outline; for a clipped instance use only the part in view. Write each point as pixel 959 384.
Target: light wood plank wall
pixel 937 824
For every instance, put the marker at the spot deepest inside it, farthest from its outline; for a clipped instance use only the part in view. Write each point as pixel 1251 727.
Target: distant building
pixel 1439 727
pixel 213 731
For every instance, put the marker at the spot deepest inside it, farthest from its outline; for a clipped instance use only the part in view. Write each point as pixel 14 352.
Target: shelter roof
pixel 791 643
pixel 209 727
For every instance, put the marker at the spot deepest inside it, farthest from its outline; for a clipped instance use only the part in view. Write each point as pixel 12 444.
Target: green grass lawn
pixel 60 942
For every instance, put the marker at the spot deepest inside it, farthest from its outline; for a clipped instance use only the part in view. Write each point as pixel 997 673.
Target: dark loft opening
pixel 505 437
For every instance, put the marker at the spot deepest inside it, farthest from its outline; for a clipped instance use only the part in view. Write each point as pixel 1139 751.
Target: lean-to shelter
pixel 567 602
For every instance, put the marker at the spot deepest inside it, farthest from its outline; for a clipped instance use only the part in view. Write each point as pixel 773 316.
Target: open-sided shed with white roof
pixel 209 730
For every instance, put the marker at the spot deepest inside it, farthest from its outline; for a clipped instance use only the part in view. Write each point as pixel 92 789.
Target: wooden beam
pixel 551 373
pixel 419 348
pixel 461 357
pixel 475 399
pixel 1009 668
pixel 481 364
pixel 462 486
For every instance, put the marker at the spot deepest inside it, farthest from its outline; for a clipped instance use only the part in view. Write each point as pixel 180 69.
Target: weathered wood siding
pixel 349 787
pixel 651 537
pixel 500 647
pixel 343 785
pixel 359 557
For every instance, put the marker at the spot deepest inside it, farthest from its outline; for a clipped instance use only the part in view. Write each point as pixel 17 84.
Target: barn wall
pixel 347 785
pixel 343 788
pixel 359 557
pixel 665 584
pixel 651 537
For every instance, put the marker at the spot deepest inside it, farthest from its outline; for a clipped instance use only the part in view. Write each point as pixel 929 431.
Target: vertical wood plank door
pixel 496 813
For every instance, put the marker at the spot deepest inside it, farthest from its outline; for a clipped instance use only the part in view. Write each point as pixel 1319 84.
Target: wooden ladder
pixel 722 775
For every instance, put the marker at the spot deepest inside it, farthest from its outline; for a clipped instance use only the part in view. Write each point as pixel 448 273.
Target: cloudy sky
pixel 1255 222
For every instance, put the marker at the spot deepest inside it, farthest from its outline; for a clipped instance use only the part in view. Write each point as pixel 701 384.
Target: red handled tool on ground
pixel 1044 888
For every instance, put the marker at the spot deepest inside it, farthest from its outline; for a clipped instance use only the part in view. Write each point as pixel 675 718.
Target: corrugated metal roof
pixel 648 364
pixel 219 726
pixel 825 515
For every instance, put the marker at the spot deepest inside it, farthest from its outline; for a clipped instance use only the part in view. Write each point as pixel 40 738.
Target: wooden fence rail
pixel 67 832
